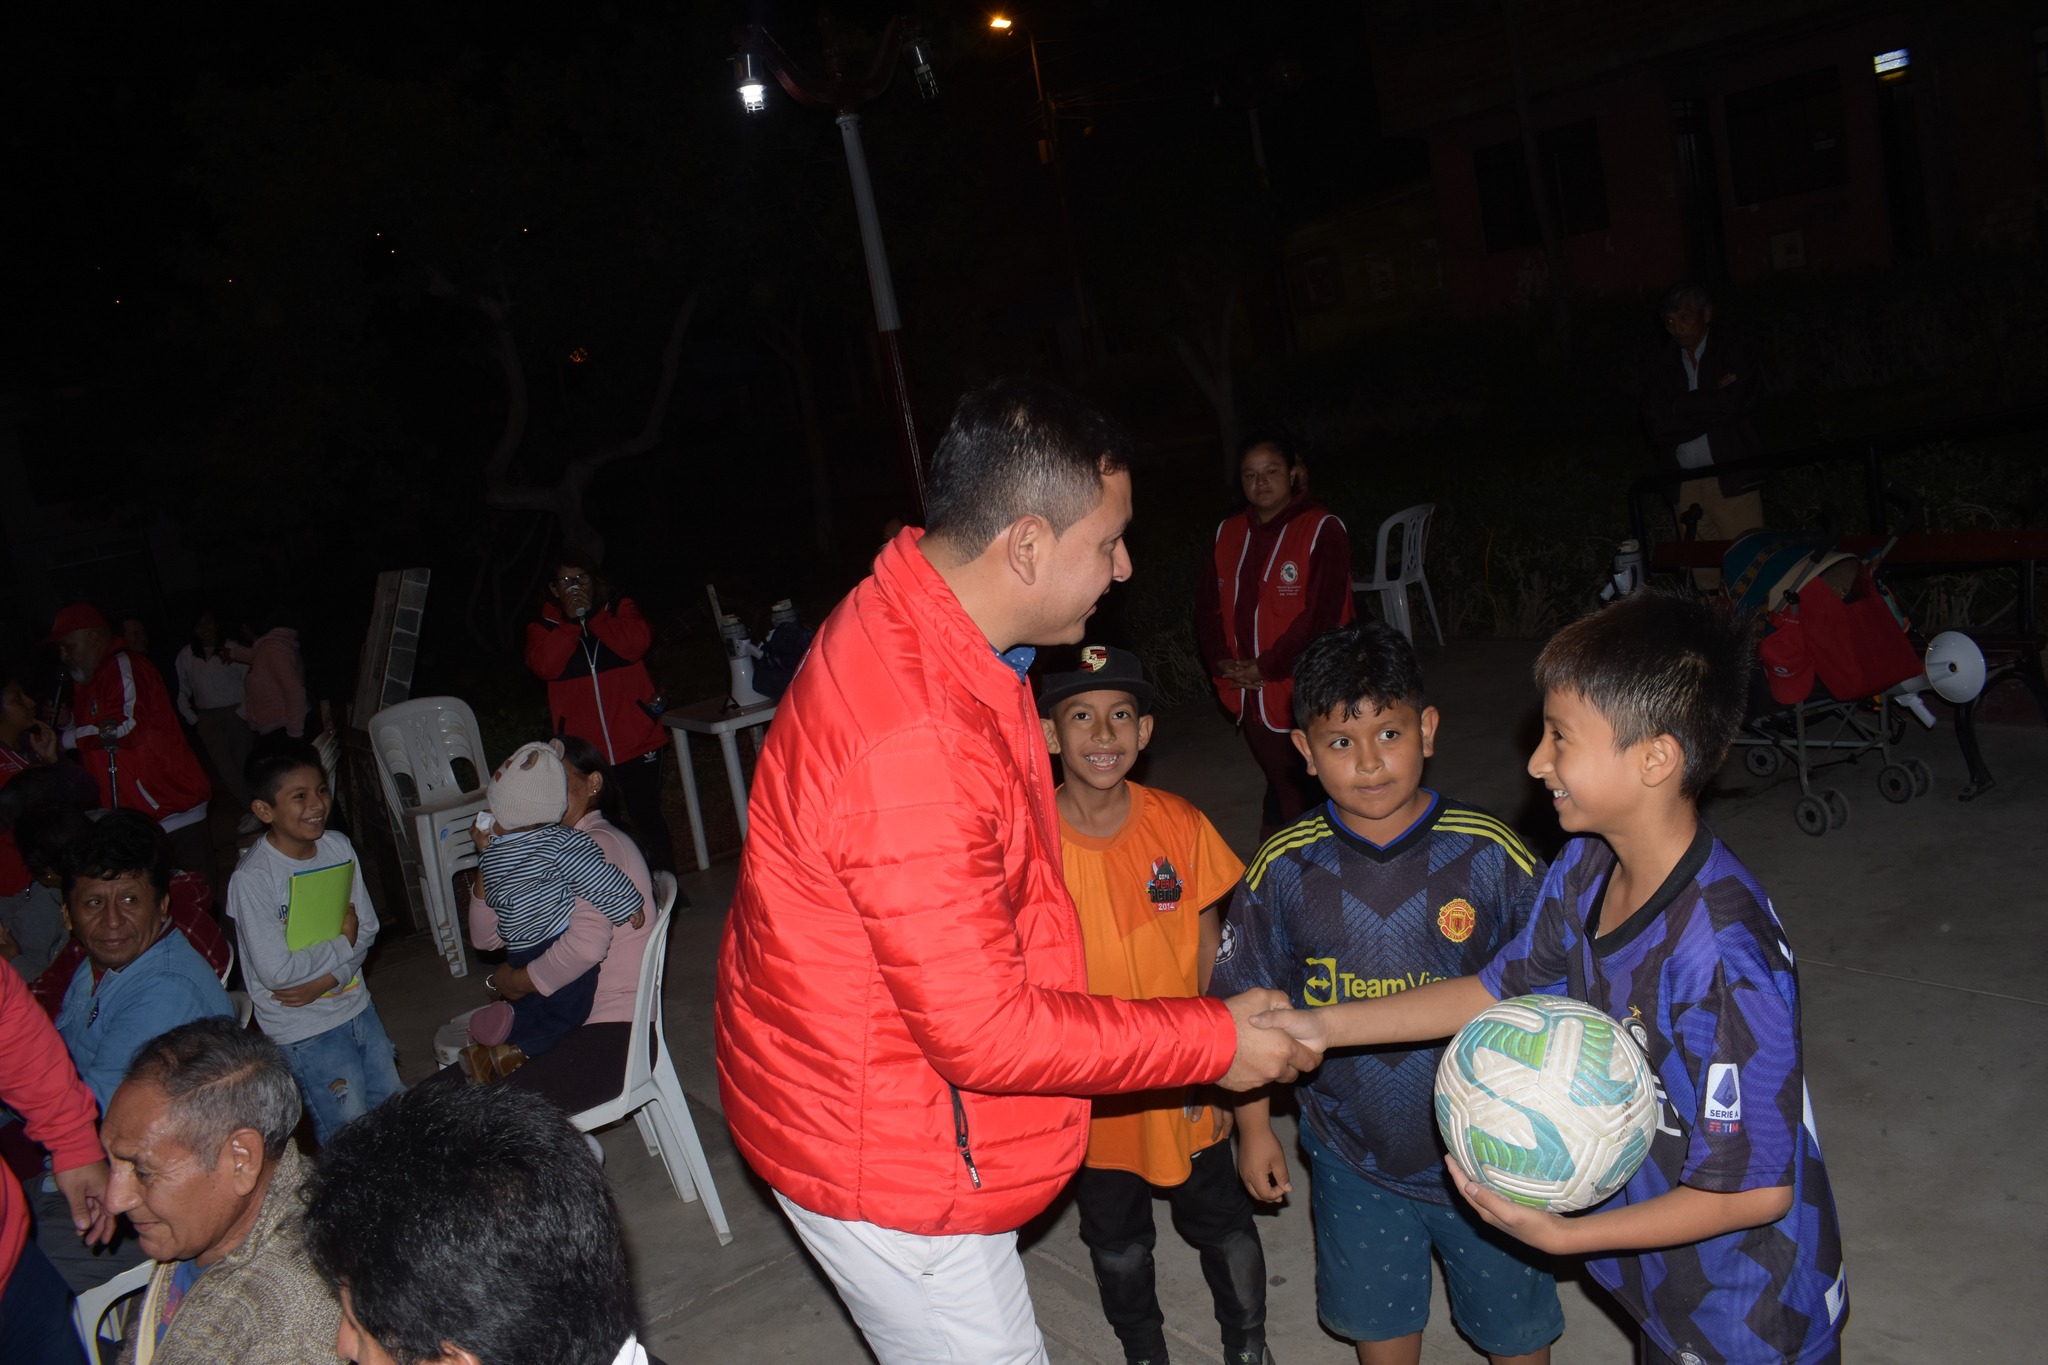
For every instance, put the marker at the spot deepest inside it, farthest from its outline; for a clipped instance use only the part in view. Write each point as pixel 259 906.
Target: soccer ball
pixel 1548 1101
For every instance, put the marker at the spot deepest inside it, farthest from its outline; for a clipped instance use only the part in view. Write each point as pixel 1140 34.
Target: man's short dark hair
pixel 1354 666
pixel 1687 294
pixel 219 1077
pixel 273 760
pixel 1019 447
pixel 1659 663
pixel 472 1217
pixel 44 831
pixel 120 842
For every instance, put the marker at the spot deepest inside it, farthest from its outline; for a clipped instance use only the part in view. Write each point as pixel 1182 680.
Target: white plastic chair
pixel 92 1305
pixel 1414 525
pixel 652 1094
pixel 239 1001
pixel 416 743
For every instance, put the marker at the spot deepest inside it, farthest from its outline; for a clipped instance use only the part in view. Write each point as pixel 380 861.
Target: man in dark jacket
pixel 1696 406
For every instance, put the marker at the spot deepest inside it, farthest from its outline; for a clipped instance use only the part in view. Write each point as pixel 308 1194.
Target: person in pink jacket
pixel 274 692
pixel 38 1082
pixel 589 1065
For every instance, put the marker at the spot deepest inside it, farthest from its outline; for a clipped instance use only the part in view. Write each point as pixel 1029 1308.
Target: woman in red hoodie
pixel 589 648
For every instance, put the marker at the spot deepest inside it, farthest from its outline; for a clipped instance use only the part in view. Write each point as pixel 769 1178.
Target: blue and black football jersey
pixel 1327 916
pixel 1702 978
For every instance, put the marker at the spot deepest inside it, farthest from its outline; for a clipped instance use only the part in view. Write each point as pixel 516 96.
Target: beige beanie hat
pixel 530 787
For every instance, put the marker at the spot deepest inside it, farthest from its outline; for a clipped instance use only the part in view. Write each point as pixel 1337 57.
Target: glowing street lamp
pixel 746 78
pixel 999 23
pixel 845 94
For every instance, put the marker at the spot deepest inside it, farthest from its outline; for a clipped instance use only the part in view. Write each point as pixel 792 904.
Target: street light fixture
pixel 845 94
pixel 1049 155
pixel 746 78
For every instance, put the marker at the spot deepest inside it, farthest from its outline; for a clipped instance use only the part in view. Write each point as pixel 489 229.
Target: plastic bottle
pixel 740 653
pixel 1628 571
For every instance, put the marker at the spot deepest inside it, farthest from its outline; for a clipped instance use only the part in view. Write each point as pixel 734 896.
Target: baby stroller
pixel 1836 645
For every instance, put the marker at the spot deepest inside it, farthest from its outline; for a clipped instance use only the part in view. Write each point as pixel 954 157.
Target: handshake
pixel 1271 1046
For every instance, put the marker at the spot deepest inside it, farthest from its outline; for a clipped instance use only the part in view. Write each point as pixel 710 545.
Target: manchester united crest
pixel 1456 920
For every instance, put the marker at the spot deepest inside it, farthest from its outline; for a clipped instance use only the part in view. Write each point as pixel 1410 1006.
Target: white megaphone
pixel 1955 672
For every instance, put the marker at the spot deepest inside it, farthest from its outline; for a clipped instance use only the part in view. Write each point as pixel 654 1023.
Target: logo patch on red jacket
pixel 1290 572
pixel 1165 886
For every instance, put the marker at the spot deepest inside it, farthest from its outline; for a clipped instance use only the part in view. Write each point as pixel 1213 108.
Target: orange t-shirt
pixel 1141 893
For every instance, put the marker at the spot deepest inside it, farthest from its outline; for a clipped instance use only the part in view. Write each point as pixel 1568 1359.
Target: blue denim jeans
pixel 344 1072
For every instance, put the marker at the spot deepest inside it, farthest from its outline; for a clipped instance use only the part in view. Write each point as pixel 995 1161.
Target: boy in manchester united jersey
pixel 1383 888
pixel 1147 873
pixel 1724 1245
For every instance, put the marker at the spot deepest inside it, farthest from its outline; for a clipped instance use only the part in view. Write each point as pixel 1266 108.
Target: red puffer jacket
pixel 902 1021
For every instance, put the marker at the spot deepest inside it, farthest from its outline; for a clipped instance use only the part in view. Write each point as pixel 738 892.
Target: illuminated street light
pixel 999 24
pixel 844 93
pixel 746 79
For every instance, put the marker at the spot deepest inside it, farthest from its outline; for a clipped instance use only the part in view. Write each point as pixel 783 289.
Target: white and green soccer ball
pixel 1548 1101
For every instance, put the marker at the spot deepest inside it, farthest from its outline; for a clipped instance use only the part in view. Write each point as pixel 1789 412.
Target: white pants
pixel 958 1300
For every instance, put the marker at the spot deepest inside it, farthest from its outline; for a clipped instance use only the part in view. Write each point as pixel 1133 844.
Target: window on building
pixel 1786 137
pixel 1570 160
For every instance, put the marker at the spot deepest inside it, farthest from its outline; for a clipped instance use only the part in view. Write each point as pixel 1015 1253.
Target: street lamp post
pixel 1049 154
pixel 845 95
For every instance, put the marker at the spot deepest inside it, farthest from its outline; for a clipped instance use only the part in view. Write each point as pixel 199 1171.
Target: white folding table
pixel 719 718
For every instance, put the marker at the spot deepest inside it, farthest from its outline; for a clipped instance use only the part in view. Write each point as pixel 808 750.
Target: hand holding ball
pixel 1547 1101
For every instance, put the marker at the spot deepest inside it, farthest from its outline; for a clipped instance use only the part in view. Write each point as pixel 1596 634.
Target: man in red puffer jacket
pixel 905 1041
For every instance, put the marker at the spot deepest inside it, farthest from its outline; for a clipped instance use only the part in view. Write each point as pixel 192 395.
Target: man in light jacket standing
pixel 905 1039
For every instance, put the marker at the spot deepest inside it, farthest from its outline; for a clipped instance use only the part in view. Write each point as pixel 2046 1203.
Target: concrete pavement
pixel 1920 931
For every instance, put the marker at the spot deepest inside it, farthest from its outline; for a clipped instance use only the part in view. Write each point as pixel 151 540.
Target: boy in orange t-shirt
pixel 1148 874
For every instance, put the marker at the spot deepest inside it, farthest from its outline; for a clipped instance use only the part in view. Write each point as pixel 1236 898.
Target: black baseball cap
pixel 1102 668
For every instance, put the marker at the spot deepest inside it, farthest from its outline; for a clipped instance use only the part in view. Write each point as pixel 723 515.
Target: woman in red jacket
pixel 589 648
pixel 1280 576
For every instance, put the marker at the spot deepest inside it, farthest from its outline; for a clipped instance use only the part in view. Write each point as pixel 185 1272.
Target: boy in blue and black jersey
pixel 1724 1245
pixel 1384 888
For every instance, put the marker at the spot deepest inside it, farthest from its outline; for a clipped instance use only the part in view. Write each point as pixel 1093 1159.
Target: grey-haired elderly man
pixel 199 1137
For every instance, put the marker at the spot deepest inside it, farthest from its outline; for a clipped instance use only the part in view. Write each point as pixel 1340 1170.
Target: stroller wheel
pixel 1761 759
pixel 1838 808
pixel 1811 816
pixel 1895 783
pixel 1923 776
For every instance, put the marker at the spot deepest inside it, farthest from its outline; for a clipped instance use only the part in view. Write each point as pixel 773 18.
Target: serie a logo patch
pixel 1723 1109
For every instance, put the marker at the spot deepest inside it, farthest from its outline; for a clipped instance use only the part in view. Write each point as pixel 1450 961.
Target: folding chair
pixel 652 1094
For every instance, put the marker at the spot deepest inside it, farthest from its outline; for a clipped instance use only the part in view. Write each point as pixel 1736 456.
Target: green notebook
pixel 318 905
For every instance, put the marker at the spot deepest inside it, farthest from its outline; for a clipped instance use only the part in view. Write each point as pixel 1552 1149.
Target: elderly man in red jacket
pixel 905 1039
pixel 127 736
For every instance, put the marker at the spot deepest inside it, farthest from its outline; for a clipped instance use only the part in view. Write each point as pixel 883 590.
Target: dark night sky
pixel 98 154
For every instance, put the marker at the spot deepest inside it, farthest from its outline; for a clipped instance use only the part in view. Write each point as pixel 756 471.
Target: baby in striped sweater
pixel 534 870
